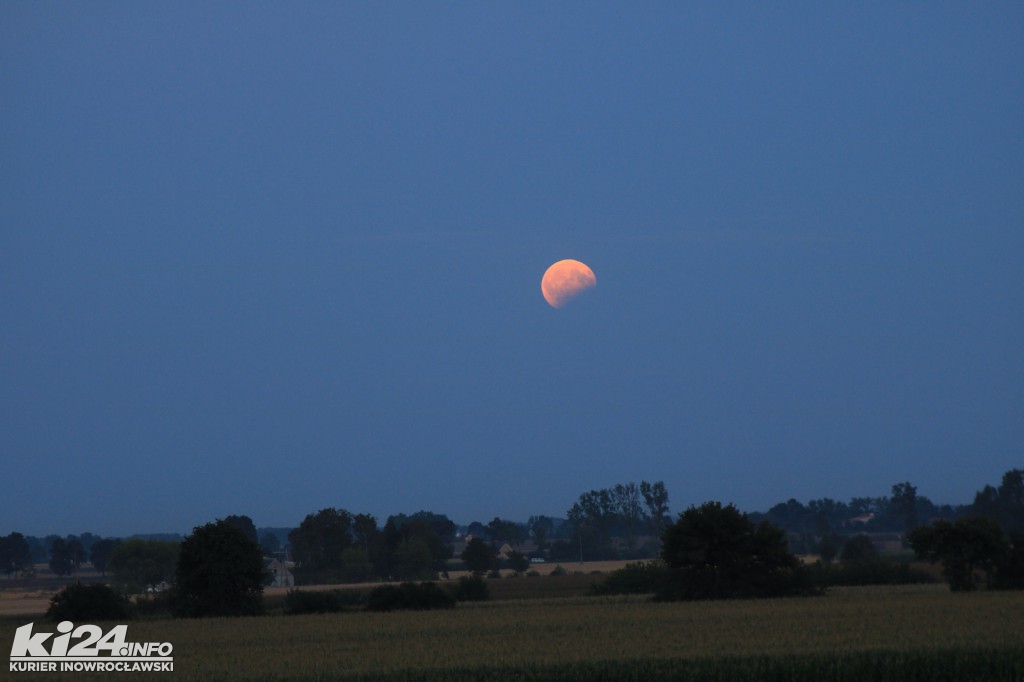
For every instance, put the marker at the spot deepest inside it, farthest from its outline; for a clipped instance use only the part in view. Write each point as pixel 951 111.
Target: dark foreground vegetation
pixel 968 665
pixel 916 632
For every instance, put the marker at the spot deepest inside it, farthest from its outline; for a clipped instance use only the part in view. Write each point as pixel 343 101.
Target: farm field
pixel 613 638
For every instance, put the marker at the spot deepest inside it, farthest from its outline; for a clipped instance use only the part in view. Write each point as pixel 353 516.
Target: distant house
pixel 280 576
pixel 862 520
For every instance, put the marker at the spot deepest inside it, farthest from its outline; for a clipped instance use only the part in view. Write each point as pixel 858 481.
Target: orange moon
pixel 564 280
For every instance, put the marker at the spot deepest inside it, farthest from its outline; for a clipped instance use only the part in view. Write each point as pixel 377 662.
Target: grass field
pixel 870 633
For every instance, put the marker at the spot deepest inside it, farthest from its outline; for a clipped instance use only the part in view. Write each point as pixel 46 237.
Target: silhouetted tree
pixel 15 554
pixel 138 564
pixel 101 552
pixel 1005 504
pixel 321 539
pixel 502 531
pixel 219 573
pixel 518 562
pixel 903 504
pixel 626 505
pixel 656 499
pixel 540 528
pixel 716 552
pixel 269 544
pixel 965 548
pixel 244 524
pixel 417 551
pixel 478 556
pixel 62 556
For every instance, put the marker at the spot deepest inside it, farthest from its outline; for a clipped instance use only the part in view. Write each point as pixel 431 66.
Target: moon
pixel 565 280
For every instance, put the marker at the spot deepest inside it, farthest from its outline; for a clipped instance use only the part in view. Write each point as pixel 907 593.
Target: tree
pixel 244 524
pixel 541 527
pixel 219 573
pixel 442 526
pixel 716 552
pixel 656 499
pixel 903 504
pixel 1004 505
pixel 626 503
pixel 518 562
pixel 965 548
pixel 139 564
pixel 417 550
pixel 478 556
pixel 321 539
pixel 504 531
pixel 15 553
pixel 100 553
pixel 269 544
pixel 593 516
pixel 66 556
pixel 364 528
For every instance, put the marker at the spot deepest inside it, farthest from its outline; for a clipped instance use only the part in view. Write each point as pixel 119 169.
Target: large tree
pixel 541 527
pixel 15 554
pixel 320 541
pixel 219 573
pixel 101 552
pixel 478 556
pixel 656 499
pixel 969 549
pixel 139 564
pixel 415 550
pixel 716 552
pixel 903 504
pixel 244 524
pixel 66 556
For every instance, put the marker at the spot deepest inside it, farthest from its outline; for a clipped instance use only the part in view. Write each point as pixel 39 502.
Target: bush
pixel 153 606
pixel 559 570
pixel 323 601
pixel 471 588
pixel 80 602
pixel 409 596
pixel 640 578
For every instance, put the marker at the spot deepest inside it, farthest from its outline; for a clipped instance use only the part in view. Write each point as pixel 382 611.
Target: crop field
pixel 913 632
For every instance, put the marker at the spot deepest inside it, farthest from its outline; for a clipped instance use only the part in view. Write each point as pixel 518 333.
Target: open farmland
pixel 587 638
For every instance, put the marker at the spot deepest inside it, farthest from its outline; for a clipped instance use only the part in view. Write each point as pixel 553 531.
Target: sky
pixel 264 258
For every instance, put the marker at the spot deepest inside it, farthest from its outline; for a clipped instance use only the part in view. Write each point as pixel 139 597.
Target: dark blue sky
pixel 263 258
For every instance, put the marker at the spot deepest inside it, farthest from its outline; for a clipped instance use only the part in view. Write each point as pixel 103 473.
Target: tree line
pixel 624 521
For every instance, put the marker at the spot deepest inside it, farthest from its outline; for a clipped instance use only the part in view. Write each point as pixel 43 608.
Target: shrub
pixel 153 606
pixel 639 578
pixel 323 601
pixel 471 588
pixel 559 570
pixel 80 602
pixel 409 596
